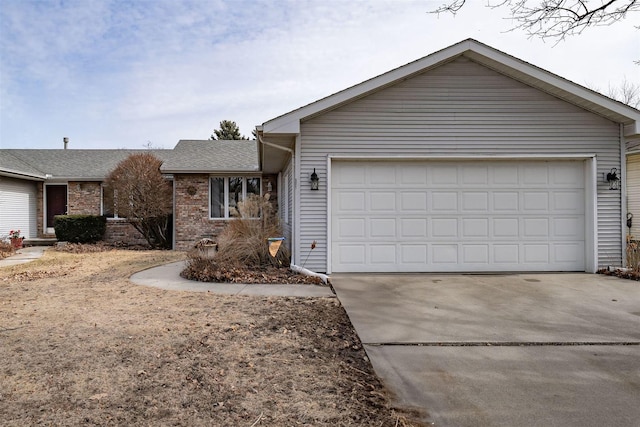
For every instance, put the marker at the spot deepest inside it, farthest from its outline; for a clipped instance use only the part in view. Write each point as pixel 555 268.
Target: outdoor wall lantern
pixel 613 179
pixel 314 180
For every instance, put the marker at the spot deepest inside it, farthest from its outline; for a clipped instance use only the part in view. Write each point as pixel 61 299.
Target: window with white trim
pixel 109 205
pixel 226 192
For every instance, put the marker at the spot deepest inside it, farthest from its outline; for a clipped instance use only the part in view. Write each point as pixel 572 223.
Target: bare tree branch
pixel 556 19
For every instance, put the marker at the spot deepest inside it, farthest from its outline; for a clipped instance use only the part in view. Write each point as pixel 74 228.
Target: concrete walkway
pixel 23 255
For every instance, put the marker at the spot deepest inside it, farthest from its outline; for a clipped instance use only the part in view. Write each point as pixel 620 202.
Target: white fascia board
pixel 282 125
pixel 19 175
pixel 632 129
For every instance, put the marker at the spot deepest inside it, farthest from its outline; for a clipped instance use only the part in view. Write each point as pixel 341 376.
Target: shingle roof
pixel 12 164
pixel 186 157
pixel 213 156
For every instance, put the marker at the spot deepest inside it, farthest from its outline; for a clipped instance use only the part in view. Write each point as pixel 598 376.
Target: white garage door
pixel 457 216
pixel 18 207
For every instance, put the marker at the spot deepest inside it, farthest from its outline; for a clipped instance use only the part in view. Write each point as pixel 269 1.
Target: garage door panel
pixel 568 227
pixel 475 176
pixel 475 227
pixel 475 254
pixel 382 201
pixel 568 253
pixel 414 254
pixel 506 254
pixel 351 254
pixel 443 175
pixel 413 175
pixel 483 216
pixel 413 201
pixel 535 201
pixel 535 227
pixel 381 254
pixel 506 228
pixel 506 201
pixel 444 227
pixel 413 228
pixel 350 228
pixel 567 177
pixel 535 175
pixel 382 175
pixel 444 201
pixel 568 201
pixel 475 201
pixel 354 201
pixel 445 254
pixel 383 228
pixel 504 175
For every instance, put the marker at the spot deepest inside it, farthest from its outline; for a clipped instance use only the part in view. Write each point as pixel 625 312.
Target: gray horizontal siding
pixel 633 192
pixel 460 108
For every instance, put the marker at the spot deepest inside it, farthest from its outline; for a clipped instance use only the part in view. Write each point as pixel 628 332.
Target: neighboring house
pixel 36 185
pixel 466 160
pixel 633 187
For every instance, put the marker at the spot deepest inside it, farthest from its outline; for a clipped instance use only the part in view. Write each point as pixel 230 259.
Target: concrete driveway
pixel 503 350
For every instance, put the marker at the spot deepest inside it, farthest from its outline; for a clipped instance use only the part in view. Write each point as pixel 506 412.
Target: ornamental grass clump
pixel 245 239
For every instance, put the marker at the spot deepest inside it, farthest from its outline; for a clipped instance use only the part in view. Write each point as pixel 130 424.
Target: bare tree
pixel 556 19
pixel 143 196
pixel 628 92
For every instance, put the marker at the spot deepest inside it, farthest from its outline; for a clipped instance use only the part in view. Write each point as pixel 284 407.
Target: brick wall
pixel 40 210
pixel 120 232
pixel 83 198
pixel 191 213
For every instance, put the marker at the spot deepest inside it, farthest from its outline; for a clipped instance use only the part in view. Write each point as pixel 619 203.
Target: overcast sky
pixel 123 74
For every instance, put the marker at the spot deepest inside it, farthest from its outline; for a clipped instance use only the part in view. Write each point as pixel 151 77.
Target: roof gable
pixel 501 62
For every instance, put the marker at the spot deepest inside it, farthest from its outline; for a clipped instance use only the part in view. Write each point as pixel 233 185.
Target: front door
pixel 56 196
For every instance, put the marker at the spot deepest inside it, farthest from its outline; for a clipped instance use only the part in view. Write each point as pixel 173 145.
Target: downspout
pixel 623 194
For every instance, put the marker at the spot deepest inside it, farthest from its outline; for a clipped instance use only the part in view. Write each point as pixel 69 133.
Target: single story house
pixel 36 185
pixel 468 159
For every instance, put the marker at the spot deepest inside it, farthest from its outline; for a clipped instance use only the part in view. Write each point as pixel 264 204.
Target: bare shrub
pixel 6 249
pixel 245 239
pixel 143 196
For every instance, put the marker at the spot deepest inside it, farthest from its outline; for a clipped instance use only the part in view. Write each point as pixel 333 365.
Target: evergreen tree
pixel 228 130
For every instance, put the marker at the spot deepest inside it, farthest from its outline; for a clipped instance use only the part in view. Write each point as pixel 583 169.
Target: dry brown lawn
pixel 80 344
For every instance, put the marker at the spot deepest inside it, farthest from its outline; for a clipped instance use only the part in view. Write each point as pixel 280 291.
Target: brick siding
pixel 83 198
pixel 191 214
pixel 120 232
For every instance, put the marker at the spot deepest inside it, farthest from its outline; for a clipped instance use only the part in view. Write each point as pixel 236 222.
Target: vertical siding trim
pixel 295 217
pixel 329 221
pixel 623 195
pixel 591 214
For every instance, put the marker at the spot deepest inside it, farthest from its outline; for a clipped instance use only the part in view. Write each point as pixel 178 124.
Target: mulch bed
pixel 628 274
pixel 204 270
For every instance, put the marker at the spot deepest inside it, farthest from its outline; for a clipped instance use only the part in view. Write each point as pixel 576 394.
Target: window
pixel 109 208
pixel 227 192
